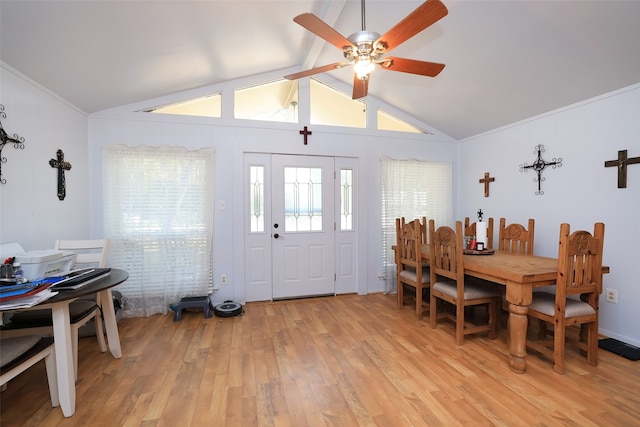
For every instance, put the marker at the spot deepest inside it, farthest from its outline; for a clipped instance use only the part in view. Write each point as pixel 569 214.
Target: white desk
pixel 59 305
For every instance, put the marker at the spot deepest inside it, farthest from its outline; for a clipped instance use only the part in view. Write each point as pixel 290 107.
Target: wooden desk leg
pixel 517 337
pixel 110 323
pixel 64 357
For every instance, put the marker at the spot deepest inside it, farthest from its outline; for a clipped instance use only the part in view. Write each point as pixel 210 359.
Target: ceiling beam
pixel 330 13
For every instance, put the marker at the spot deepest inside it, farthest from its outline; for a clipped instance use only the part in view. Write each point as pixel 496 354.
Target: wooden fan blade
pixel 321 29
pixel 360 87
pixel 428 13
pixel 316 70
pixel 404 65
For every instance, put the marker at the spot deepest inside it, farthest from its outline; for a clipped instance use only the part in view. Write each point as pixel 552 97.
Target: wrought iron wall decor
pixel 538 166
pixel 16 140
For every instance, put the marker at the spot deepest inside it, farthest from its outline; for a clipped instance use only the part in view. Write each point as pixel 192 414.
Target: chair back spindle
pixel 515 238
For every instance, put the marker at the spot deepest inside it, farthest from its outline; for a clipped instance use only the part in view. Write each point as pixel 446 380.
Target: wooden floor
pixel 334 361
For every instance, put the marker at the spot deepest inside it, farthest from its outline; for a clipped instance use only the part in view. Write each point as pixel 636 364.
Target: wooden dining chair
pixel 577 294
pixel 515 238
pixel 448 284
pixel 90 253
pixel 20 353
pixel 470 230
pixel 424 228
pixel 411 270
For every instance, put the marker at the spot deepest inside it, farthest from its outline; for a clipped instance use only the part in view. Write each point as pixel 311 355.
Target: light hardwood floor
pixel 334 361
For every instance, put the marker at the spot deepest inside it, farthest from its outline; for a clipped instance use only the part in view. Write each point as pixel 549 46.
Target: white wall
pixel 30 212
pixel 230 142
pixel 581 192
pixel 231 138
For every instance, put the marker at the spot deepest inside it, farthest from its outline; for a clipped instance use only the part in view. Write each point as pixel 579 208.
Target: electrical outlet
pixel 612 296
pixel 223 279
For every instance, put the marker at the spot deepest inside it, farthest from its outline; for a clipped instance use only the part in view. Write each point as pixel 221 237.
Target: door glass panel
pixel 302 199
pixel 346 199
pixel 256 194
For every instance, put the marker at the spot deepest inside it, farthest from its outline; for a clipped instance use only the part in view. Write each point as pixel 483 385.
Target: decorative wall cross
pixel 538 166
pixel 62 166
pixel 621 164
pixel 306 133
pixel 17 141
pixel 486 180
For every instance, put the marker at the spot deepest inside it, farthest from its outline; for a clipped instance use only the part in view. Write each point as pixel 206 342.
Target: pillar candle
pixel 481 233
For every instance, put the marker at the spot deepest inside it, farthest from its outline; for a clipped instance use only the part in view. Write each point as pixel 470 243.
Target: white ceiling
pixel 506 60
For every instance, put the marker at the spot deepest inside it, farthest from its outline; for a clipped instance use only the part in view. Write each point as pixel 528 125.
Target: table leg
pixel 519 297
pixel 64 357
pixel 110 323
pixel 517 337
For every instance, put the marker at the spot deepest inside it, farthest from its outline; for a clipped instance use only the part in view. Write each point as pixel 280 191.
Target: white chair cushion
pixel 545 303
pixel 411 275
pixel 15 346
pixel 471 290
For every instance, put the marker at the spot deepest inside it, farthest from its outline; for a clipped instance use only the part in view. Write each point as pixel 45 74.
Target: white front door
pixel 300 237
pixel 302 232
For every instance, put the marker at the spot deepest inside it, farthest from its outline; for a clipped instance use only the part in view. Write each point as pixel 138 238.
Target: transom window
pixel 278 101
pixel 206 106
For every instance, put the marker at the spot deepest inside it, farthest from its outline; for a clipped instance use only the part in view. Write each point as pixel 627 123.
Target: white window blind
pixel 158 213
pixel 412 189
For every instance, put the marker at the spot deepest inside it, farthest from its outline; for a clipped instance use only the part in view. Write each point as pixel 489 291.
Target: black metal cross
pixel 62 166
pixel 16 140
pixel 621 164
pixel 538 165
pixel 306 133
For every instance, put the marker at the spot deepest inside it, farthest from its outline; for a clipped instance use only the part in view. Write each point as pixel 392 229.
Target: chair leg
pixel 459 324
pixel 592 344
pixel 558 346
pixel 418 302
pixel 52 379
pixel 399 293
pixel 493 319
pixel 102 344
pixel 433 310
pixel 74 349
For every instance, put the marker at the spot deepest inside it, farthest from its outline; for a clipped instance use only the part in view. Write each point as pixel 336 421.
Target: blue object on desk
pixel 24 288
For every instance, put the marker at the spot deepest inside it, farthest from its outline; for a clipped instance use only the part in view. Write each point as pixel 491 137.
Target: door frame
pixel 257 260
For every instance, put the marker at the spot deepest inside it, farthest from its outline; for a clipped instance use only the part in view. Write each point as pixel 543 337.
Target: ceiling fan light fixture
pixel 363 67
pixel 365 49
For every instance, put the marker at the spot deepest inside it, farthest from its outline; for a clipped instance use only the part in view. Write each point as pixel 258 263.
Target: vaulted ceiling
pixel 506 60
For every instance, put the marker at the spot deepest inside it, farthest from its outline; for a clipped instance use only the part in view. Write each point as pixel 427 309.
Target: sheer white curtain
pixel 158 213
pixel 412 189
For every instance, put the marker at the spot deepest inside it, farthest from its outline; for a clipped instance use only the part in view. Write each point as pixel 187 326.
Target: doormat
pixel 620 348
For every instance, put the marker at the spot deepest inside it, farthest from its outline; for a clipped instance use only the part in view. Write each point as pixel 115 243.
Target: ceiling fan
pixel 366 49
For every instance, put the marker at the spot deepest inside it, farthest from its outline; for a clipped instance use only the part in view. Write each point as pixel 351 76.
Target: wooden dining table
pixel 520 274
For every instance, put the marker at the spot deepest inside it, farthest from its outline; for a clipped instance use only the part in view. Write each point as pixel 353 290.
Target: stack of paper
pixel 25 295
